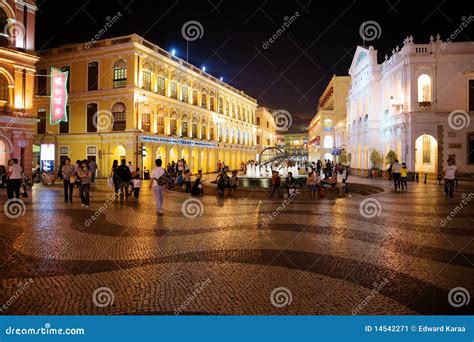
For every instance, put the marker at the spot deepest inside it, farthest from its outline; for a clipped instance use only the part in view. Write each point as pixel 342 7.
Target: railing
pixel 424 106
pixel 134 38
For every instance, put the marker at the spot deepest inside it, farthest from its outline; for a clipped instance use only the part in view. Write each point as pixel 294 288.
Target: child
pixel 137 183
pixel 187 180
pixel 403 176
pixel 234 183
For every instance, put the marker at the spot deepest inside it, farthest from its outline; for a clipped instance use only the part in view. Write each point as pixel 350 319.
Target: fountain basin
pixel 266 182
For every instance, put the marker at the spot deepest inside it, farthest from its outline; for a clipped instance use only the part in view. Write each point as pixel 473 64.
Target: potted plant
pixel 376 160
pixel 390 159
pixel 343 158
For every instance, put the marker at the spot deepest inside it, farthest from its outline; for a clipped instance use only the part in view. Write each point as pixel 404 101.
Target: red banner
pixel 58 96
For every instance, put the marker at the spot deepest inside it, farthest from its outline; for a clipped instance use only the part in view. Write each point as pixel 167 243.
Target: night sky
pixel 289 74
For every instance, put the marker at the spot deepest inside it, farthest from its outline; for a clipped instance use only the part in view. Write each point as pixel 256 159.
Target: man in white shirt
pixel 158 190
pixel 396 168
pixel 449 174
pixel 14 177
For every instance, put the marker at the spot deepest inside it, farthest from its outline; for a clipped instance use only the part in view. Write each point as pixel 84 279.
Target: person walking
pixel 449 175
pixel 158 185
pixel 137 184
pixel 69 179
pixel 276 181
pixel 124 176
pixel 113 175
pixel 396 168
pixel 93 168
pixel 403 176
pixel 14 177
pixel 85 177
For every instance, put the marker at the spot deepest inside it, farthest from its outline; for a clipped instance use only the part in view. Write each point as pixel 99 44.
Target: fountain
pixel 270 159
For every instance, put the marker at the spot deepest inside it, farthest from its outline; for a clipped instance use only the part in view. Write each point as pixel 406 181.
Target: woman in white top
pixel 14 176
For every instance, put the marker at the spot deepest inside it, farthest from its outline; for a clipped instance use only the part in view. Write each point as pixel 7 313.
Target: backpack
pixel 163 180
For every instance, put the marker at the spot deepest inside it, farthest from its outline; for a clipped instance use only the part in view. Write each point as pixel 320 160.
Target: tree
pixel 343 158
pixel 375 158
pixel 391 156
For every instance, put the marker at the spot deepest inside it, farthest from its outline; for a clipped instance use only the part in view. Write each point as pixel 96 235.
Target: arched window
pixel 120 73
pixel 146 118
pixel 146 76
pixel 194 128
pixel 3 88
pixel 173 129
pixel 119 115
pixel 160 121
pixel 203 129
pixel 93 76
pixel 160 83
pixel 220 105
pixel 67 68
pixel 204 98
pixel 184 126
pixel 424 88
pixel 328 142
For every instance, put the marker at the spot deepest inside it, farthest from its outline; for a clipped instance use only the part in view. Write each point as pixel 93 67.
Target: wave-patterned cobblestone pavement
pixel 382 253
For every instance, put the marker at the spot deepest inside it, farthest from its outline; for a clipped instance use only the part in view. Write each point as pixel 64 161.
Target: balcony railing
pixel 424 106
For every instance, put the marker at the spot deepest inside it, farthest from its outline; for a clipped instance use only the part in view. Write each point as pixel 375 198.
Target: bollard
pixel 417 177
pixel 426 176
pixel 456 182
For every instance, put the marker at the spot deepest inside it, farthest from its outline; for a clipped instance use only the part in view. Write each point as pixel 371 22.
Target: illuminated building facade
pixel 17 74
pixel 128 98
pixel 266 129
pixel 326 129
pixel 418 103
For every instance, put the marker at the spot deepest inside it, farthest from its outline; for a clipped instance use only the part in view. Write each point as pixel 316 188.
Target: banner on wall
pixel 58 97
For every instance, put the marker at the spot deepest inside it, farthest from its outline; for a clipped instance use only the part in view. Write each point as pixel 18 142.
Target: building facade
pixel 418 103
pixel 266 129
pixel 130 99
pixel 296 143
pixel 327 129
pixel 17 75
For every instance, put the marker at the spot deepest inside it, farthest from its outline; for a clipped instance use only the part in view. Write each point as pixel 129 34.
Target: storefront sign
pixel 58 96
pixel 174 141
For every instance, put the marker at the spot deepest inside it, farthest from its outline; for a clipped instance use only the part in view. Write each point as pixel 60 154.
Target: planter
pixel 375 173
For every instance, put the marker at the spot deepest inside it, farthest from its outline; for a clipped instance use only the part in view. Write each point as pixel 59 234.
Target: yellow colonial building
pixel 266 128
pixel 128 98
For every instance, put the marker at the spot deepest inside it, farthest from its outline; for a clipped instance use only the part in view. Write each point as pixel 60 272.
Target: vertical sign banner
pixel 58 96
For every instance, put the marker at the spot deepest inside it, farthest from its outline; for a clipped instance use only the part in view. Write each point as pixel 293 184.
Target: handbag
pixel 72 179
pixel 110 183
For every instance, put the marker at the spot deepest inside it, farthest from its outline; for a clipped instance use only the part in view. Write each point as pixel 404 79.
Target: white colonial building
pixel 419 103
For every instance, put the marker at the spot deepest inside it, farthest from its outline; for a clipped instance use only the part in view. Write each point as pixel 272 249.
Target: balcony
pixel 424 106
